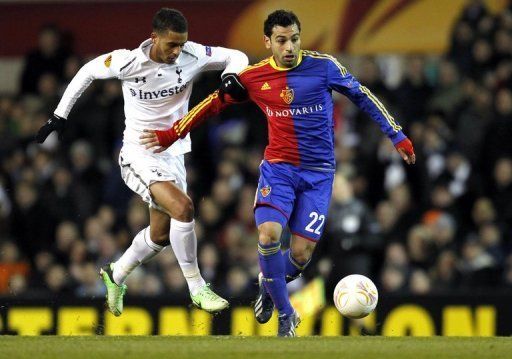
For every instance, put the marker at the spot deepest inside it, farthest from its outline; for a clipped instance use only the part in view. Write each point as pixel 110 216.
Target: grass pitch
pixel 252 347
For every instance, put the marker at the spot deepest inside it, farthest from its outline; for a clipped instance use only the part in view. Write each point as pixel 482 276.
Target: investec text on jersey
pixel 150 95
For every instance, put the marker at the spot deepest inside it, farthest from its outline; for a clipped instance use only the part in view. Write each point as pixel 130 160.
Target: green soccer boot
pixel 115 293
pixel 208 300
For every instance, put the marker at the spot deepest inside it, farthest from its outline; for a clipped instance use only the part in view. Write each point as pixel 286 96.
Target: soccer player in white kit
pixel 157 82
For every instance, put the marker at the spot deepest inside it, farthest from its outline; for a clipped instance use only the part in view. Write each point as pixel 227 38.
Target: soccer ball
pixel 355 296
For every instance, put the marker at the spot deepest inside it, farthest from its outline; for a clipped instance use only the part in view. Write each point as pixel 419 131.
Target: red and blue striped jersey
pixel 299 108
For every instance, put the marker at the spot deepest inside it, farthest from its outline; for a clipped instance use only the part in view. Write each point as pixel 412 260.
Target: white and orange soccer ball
pixel 355 296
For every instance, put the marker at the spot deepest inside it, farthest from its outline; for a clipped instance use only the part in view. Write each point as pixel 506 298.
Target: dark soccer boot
pixel 287 325
pixel 264 306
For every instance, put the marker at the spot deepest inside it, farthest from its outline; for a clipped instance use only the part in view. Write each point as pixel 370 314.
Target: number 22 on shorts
pixel 315 218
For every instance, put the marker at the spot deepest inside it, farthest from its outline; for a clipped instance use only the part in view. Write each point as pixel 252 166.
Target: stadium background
pixel 436 237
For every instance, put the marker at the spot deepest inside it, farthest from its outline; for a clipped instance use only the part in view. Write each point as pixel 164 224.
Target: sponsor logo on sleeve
pixel 108 61
pixel 208 50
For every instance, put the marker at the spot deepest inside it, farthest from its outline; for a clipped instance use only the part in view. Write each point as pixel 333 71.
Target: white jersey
pixel 155 94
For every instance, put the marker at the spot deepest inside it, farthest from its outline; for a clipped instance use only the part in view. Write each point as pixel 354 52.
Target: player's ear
pixel 154 36
pixel 266 39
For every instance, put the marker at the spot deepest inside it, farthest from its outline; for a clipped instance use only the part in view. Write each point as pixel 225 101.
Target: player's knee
pixel 268 235
pixel 159 237
pixel 266 239
pixel 302 254
pixel 184 210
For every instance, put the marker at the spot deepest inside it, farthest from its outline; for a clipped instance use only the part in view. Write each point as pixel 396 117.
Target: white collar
pixel 143 49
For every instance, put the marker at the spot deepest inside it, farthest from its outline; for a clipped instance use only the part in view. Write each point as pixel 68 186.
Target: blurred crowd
pixel 439 226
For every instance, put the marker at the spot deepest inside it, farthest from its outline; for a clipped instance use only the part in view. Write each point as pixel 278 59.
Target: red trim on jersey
pixel 262 204
pixel 303 236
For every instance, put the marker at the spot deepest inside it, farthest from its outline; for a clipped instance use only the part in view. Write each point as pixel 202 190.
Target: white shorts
pixel 140 168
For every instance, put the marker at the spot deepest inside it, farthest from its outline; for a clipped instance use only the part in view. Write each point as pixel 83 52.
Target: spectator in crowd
pixel 413 90
pixel 445 274
pixel 12 267
pixel 501 190
pixel 49 58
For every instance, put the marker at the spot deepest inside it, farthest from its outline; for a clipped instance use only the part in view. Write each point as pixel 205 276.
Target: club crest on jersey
pixel 178 72
pixel 287 95
pixel 265 191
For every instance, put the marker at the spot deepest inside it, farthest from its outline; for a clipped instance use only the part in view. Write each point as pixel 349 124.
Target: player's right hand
pixel 54 123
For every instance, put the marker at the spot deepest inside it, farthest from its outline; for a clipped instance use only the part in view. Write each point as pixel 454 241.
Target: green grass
pixel 252 347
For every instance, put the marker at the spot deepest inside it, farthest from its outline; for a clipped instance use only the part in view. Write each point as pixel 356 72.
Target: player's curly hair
pixel 282 18
pixel 169 19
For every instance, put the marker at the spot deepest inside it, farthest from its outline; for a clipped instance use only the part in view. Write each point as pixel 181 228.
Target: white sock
pixel 184 244
pixel 141 251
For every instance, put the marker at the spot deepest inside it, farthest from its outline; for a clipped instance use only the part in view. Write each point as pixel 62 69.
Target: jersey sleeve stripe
pixel 318 55
pixel 125 66
pixel 190 116
pixel 251 67
pixel 190 53
pixel 364 89
pixel 381 107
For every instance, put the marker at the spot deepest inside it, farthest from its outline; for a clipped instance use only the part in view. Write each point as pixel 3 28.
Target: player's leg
pixel 306 225
pixel 272 264
pixel 298 256
pixel 273 270
pixel 296 259
pixel 136 173
pixel 182 237
pixel 147 243
pixel 184 242
pixel 274 202
pixel 307 222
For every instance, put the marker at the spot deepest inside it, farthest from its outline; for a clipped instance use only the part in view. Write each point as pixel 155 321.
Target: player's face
pixel 167 46
pixel 285 45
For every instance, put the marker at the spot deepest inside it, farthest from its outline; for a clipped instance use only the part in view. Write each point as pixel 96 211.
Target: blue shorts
pixel 295 196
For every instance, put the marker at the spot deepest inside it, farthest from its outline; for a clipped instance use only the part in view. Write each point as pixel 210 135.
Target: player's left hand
pixel 149 140
pixel 232 86
pixel 406 150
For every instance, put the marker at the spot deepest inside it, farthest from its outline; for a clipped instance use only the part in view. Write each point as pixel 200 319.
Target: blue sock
pixel 293 269
pixel 273 268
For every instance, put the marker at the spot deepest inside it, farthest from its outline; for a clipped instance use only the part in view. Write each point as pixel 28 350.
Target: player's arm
pixel 221 58
pixel 102 67
pixel 342 81
pixel 209 107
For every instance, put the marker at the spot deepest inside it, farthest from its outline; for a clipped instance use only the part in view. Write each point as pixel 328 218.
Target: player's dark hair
pixel 280 18
pixel 169 19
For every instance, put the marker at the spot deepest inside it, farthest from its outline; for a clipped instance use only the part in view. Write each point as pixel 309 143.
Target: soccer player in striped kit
pixel 293 88
pixel 157 79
